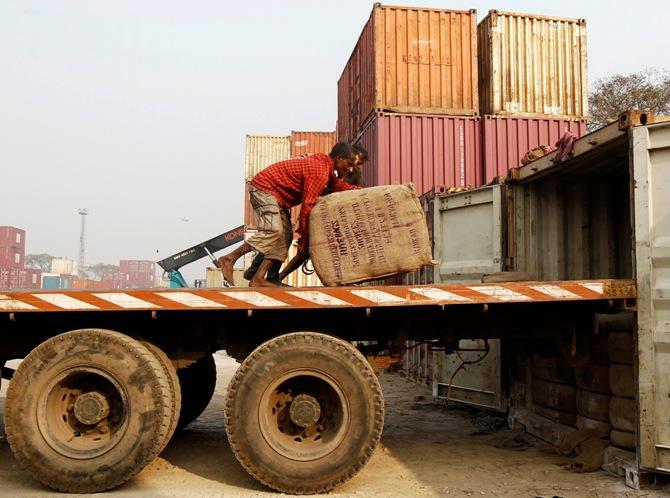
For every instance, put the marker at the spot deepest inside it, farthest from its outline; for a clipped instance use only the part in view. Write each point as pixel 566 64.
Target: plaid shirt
pixel 300 181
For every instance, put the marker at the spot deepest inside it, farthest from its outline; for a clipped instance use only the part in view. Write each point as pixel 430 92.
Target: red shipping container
pixel 12 257
pixel 505 140
pixel 12 237
pixel 311 142
pixel 426 150
pixel 135 265
pixel 19 278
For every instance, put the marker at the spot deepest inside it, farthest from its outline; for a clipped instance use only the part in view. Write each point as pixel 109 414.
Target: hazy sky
pixel 137 110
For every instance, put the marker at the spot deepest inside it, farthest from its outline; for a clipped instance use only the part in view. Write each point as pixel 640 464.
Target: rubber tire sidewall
pixel 175 389
pixel 327 355
pixel 197 382
pixel 132 366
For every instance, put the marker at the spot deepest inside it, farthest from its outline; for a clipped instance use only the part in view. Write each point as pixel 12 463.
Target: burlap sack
pixel 359 235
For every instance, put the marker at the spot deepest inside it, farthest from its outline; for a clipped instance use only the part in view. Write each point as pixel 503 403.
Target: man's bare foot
pixel 226 266
pixel 261 282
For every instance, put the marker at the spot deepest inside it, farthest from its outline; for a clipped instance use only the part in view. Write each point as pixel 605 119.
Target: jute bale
pixel 358 235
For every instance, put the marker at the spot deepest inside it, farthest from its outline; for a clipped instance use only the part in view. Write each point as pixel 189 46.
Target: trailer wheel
pixel 87 410
pixel 197 381
pixel 175 389
pixel 304 413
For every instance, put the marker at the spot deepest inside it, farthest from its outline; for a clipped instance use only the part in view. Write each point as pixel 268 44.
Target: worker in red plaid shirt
pixel 280 187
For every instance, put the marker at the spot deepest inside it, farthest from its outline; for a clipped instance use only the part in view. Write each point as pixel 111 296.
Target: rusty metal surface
pixel 532 65
pixel 410 59
pixel 311 142
pixel 306 298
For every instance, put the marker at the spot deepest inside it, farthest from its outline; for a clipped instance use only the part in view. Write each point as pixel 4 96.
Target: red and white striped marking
pixel 315 297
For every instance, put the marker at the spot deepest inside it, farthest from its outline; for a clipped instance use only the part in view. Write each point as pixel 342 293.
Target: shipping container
pixel 532 65
pixel 12 257
pixel 311 142
pixel 89 284
pixel 12 237
pixel 426 150
pixel 409 60
pixel 51 281
pixel 505 140
pixel 64 266
pixel 138 266
pixel 20 278
pixel 260 152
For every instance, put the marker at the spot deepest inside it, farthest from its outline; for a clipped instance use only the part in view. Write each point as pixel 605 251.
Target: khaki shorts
pixel 275 232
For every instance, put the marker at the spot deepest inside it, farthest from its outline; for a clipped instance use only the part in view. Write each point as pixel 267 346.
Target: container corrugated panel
pixel 12 237
pixel 260 152
pixel 20 278
pixel 311 142
pixel 505 140
pixel 426 150
pixel 263 150
pixel 11 257
pixel 410 59
pixel 532 65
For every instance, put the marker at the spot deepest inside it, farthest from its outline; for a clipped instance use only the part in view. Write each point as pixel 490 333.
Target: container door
pixel 650 147
pixel 468 237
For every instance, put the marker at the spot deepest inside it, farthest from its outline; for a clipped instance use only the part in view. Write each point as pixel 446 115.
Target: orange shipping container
pixel 311 142
pixel 532 66
pixel 410 60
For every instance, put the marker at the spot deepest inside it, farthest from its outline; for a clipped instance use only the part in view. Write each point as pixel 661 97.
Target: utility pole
pixel 82 240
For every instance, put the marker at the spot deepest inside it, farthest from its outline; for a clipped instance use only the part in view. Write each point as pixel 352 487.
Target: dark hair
pixel 360 151
pixel 342 149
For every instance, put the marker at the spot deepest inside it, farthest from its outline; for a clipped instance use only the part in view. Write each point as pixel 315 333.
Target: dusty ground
pixel 427 450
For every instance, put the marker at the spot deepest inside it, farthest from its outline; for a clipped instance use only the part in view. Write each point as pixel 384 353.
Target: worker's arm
pixel 293 265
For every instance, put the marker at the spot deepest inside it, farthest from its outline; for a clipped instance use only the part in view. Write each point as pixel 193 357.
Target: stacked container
pixel 409 96
pixel 532 84
pixel 304 143
pixel 139 274
pixel 20 278
pixel 12 247
pixel 261 151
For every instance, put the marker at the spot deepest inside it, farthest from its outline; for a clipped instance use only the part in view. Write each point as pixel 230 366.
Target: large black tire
pixel 87 410
pixel 304 413
pixel 197 381
pixel 175 389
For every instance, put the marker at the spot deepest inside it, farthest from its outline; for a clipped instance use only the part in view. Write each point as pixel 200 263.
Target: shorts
pixel 274 233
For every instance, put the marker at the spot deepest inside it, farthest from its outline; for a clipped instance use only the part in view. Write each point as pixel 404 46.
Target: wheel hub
pixel 90 408
pixel 304 410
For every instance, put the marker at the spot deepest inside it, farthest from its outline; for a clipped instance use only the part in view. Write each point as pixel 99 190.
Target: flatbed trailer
pixel 81 416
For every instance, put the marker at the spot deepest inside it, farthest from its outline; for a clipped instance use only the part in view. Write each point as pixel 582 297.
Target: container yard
pixel 486 316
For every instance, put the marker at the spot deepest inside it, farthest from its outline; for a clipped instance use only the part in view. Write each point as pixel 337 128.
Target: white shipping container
pixel 261 151
pixel 63 266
